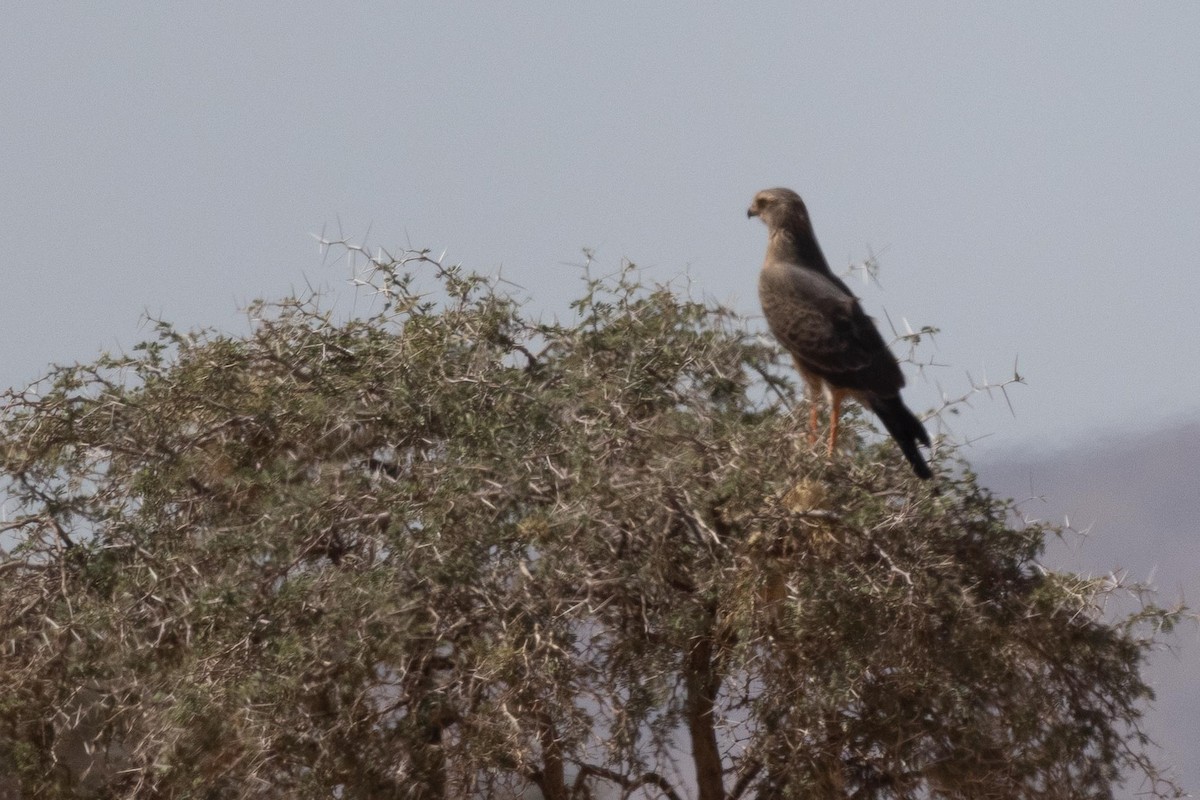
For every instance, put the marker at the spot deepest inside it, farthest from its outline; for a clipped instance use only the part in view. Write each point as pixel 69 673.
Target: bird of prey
pixel 818 320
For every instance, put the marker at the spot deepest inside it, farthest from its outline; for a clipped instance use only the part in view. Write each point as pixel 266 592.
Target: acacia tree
pixel 444 550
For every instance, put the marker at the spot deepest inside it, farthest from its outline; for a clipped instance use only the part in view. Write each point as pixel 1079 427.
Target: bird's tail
pixel 905 428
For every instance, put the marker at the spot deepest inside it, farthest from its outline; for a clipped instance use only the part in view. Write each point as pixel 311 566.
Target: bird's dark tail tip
pixel 906 429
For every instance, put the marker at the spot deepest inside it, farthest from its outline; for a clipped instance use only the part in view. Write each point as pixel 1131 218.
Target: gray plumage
pixel 818 320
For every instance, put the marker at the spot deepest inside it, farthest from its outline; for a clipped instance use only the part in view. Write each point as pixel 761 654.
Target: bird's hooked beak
pixel 751 212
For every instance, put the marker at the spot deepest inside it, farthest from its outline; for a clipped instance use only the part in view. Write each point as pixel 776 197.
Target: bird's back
pixel 823 327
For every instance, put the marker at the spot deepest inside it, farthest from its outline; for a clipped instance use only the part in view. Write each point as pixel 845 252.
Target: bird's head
pixel 778 208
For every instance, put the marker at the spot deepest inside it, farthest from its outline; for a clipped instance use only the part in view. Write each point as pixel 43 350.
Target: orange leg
pixel 814 399
pixel 835 408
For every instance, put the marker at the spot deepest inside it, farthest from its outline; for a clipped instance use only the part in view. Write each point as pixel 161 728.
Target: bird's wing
pixel 821 324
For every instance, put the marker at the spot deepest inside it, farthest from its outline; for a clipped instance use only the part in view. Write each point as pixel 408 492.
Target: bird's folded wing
pixel 826 330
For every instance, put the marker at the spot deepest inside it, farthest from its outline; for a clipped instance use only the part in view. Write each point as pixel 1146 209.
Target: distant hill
pixel 1138 499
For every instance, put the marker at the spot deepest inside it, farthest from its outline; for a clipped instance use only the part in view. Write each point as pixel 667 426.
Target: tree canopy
pixel 445 550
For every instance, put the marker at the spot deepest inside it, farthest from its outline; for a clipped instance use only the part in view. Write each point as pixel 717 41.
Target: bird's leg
pixel 835 407
pixel 814 397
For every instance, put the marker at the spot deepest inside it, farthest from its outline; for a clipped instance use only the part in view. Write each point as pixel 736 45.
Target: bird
pixel 815 317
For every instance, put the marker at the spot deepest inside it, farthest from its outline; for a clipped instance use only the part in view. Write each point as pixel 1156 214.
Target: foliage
pixel 445 550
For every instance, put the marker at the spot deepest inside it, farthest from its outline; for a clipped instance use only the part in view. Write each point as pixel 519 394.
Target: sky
pixel 1131 506
pixel 1026 174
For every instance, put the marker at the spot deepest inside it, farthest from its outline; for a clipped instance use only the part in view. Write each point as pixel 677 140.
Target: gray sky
pixel 1029 173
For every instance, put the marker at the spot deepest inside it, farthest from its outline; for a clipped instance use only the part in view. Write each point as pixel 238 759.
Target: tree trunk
pixel 553 781
pixel 701 684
